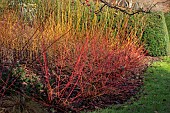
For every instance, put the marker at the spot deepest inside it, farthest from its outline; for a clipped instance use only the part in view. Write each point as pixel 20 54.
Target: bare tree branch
pixel 126 10
pixel 100 10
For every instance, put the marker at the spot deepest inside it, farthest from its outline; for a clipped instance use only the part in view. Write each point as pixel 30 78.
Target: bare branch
pixel 100 10
pixel 126 10
pixel 83 3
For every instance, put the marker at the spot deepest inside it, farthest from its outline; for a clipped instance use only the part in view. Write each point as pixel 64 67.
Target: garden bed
pixel 58 58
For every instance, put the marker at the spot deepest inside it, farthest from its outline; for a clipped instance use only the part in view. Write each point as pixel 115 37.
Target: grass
pixel 155 98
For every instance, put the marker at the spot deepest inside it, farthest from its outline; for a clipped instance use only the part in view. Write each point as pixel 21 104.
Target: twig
pixel 100 10
pixel 125 10
pixel 45 49
pixel 120 9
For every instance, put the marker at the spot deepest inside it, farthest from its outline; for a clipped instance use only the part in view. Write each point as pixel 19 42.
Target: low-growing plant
pixel 20 104
pixel 20 78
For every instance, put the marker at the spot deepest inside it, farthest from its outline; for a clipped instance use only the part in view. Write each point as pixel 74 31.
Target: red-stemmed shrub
pixel 94 68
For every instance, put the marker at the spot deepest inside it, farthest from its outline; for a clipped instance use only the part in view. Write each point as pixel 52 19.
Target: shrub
pixel 167 18
pixel 155 36
pixel 91 68
pixel 87 70
pixel 25 40
pixel 96 58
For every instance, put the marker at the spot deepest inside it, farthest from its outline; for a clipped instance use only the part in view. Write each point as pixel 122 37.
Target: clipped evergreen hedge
pixel 155 35
pixel 167 18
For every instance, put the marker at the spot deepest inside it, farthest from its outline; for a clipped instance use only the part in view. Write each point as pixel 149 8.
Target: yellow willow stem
pixel 69 18
pixel 62 15
pixel 78 16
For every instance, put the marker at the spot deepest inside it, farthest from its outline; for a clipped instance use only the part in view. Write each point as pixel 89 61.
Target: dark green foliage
pixel 167 18
pixel 155 35
pixel 28 82
pixel 21 79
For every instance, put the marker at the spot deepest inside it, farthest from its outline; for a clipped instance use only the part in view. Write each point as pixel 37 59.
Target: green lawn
pixel 156 95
